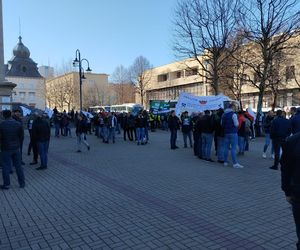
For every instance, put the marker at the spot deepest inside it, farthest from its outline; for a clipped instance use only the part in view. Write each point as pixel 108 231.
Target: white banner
pixel 192 103
pixel 87 114
pixel 49 112
pixel 26 111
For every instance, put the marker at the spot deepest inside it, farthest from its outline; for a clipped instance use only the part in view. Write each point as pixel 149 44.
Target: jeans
pixel 147 133
pixel 196 143
pixel 81 138
pixel 207 139
pixel 101 132
pixel 12 157
pixel 185 136
pixel 140 134
pixel 242 144
pixel 277 144
pixel 67 131
pixel 112 133
pixel 296 214
pixel 173 137
pixel 43 152
pixel 105 134
pixel 230 140
pixel 267 143
pixel 220 148
pixel 57 126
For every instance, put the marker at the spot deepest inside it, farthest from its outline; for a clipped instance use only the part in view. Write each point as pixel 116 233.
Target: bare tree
pixel 206 27
pixel 269 25
pixel 120 78
pixel 140 75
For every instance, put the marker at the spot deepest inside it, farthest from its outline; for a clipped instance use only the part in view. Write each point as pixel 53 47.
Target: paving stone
pixel 121 196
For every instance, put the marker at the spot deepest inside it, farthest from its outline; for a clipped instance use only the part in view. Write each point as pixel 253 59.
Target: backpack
pixel 247 126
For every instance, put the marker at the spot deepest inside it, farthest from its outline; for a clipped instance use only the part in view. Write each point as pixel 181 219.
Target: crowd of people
pixel 229 131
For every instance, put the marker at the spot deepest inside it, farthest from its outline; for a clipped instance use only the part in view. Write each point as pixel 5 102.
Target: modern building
pixel 23 71
pixel 63 91
pixel 169 80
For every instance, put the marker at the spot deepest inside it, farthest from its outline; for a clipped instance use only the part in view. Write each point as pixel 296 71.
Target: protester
pixel 267 127
pixel 279 131
pixel 295 122
pixel 17 116
pixel 81 128
pixel 230 125
pixel 41 135
pixel 186 129
pixel 173 123
pixel 32 143
pixel 207 135
pixel 11 136
pixel 140 126
pixel 241 132
pixel 219 134
pixel 290 177
pixel 112 124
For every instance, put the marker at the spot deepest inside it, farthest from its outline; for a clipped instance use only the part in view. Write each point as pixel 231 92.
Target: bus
pixel 97 109
pixel 126 107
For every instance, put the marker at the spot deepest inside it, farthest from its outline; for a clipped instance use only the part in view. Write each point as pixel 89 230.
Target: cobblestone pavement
pixel 124 196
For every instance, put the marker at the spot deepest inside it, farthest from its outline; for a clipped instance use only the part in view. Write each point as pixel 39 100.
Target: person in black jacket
pixel 17 116
pixel 173 123
pixel 267 127
pixel 81 129
pixel 295 121
pixel 186 128
pixel 11 136
pixel 280 130
pixel 207 135
pixel 41 134
pixel 290 177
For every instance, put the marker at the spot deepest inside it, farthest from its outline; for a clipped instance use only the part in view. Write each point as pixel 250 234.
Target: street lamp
pixel 78 62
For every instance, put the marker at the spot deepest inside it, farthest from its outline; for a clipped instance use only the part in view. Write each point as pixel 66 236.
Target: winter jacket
pixel 40 130
pixel 290 167
pixel 11 134
pixel 280 128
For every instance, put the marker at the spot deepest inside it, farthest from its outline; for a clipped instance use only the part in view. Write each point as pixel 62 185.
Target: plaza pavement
pixel 124 196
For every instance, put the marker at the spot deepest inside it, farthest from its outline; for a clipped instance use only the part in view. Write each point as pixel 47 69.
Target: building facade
pixel 63 91
pixel 168 81
pixel 23 71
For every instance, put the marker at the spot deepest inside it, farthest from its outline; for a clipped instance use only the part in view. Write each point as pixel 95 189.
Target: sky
pixel 108 33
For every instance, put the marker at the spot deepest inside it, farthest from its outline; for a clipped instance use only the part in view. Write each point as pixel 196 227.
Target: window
pixel 22 96
pixel 191 72
pixel 290 72
pixel 162 78
pixel 31 96
pixel 255 77
pixel 178 74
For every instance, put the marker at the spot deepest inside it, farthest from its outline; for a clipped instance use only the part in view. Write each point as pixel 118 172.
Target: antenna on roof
pixel 19 26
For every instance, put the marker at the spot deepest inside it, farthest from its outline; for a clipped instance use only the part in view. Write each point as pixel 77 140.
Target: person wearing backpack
pixel 230 125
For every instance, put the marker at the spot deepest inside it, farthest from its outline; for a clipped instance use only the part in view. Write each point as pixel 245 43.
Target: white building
pixel 23 71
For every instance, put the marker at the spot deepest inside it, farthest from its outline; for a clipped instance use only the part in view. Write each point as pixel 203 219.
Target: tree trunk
pixel 274 104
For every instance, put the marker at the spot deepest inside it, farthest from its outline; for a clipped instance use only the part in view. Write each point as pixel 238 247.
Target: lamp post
pixel 78 61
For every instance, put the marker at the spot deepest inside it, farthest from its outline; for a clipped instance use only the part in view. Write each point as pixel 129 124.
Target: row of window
pixel 289 74
pixel 177 74
pixel 22 95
